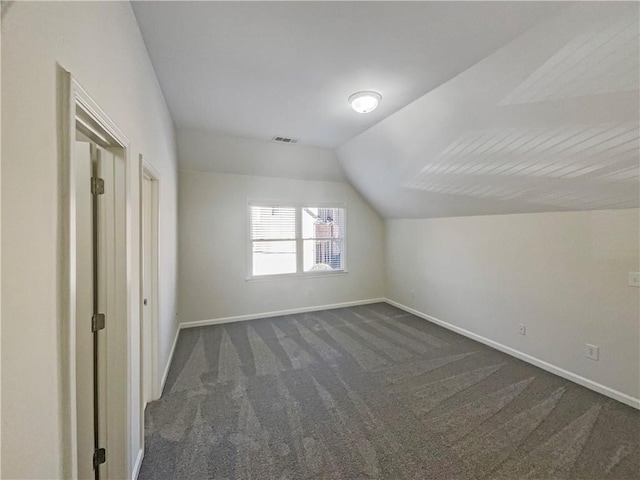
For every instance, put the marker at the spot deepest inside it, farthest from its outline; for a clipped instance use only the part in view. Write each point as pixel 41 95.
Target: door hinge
pixel 99 457
pixel 97 322
pixel 97 186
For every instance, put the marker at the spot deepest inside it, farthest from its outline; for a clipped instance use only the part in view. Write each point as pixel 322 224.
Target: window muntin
pixel 296 239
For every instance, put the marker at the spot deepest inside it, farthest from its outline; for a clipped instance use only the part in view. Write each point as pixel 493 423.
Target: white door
pixel 92 273
pixel 84 310
pixel 114 386
pixel 148 302
pixel 101 418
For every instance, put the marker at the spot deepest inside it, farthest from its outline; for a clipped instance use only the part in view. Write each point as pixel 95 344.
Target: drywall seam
pixel 561 372
pixel 254 316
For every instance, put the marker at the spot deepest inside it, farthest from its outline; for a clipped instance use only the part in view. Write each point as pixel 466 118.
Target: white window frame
pixel 300 273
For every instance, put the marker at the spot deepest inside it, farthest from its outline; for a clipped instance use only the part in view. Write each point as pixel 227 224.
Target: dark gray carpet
pixel 372 392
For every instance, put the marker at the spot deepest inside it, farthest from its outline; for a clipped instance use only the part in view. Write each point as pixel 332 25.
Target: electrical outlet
pixel 593 352
pixel 412 293
pixel 634 279
pixel 522 329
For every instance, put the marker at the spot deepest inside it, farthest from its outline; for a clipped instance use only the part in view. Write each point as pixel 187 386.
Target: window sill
pixel 296 276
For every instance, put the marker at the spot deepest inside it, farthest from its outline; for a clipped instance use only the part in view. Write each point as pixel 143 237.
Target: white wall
pixel 213 227
pixel 563 275
pixel 100 44
pixel 0 258
pixel 204 151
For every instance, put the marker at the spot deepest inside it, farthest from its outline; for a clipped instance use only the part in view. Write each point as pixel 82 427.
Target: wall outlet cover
pixel 634 279
pixel 593 351
pixel 522 329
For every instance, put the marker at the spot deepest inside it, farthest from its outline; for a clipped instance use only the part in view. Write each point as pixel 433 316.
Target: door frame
pixel 147 170
pixel 74 98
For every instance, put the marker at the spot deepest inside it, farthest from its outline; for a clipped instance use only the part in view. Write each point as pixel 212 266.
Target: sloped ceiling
pixel 549 122
pixel 488 107
pixel 261 69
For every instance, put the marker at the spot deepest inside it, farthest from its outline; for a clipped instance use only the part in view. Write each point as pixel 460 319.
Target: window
pixel 322 234
pixel 273 240
pixel 296 239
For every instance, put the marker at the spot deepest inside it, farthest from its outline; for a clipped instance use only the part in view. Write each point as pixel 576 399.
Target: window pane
pixel 320 255
pixel 272 258
pixel 273 223
pixel 322 222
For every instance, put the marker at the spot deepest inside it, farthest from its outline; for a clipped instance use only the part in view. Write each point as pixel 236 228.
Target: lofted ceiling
pixel 488 107
pixel 549 122
pixel 261 69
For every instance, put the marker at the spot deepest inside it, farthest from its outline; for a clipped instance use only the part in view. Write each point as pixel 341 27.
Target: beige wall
pixel 100 44
pixel 563 275
pixel 213 226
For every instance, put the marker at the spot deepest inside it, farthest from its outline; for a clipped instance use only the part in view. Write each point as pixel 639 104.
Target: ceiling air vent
pixel 285 140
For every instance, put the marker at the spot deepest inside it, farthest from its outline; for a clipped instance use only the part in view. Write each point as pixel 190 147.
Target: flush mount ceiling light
pixel 365 102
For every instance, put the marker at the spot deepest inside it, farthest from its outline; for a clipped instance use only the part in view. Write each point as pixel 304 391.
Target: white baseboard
pixel 137 465
pixel 166 368
pixel 585 382
pixel 254 316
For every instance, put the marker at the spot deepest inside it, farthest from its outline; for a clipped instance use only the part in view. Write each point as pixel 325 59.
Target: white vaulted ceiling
pixel 549 122
pixel 488 107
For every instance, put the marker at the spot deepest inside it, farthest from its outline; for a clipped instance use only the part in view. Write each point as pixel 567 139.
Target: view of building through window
pixel 322 230
pixel 284 238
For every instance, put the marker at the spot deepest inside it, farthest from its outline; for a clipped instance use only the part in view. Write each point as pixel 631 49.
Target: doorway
pixel 149 194
pixel 97 277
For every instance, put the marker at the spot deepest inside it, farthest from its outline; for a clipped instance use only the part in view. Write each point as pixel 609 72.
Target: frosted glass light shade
pixel 365 102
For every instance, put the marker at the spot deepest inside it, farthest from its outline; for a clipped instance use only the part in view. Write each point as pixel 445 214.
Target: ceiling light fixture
pixel 365 102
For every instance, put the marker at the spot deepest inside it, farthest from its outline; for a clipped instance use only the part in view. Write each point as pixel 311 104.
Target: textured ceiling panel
pixel 597 62
pixel 568 151
pixel 584 161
